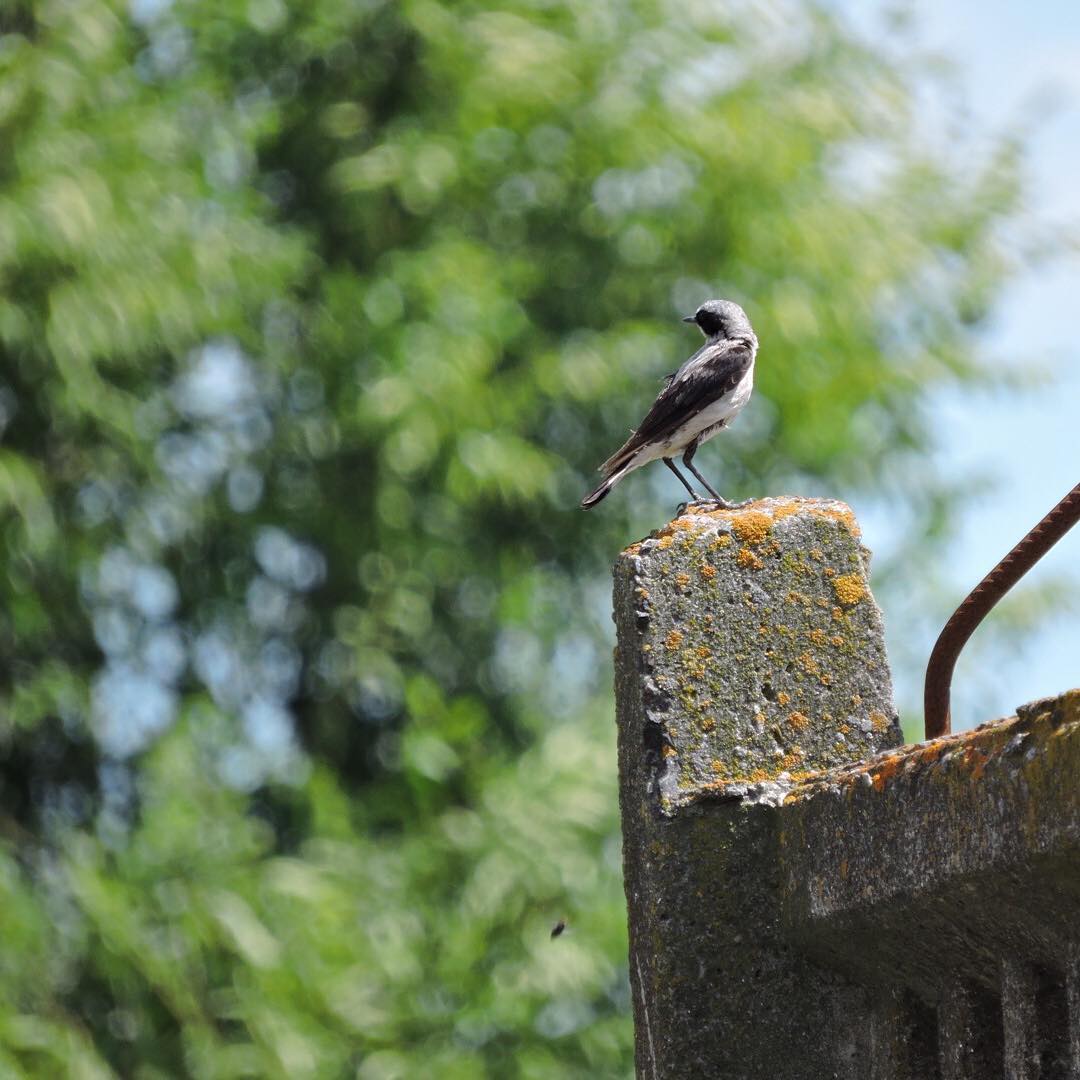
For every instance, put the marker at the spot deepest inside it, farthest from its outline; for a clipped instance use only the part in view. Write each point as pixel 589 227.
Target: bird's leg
pixel 694 496
pixel 688 461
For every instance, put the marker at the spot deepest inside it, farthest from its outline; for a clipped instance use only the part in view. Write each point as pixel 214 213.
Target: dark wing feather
pixel 713 371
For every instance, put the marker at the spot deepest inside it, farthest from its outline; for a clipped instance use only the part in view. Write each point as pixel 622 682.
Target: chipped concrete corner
pixel 806 897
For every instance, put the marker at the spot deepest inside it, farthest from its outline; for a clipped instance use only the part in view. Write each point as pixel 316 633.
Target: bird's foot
pixel 720 504
pixel 682 508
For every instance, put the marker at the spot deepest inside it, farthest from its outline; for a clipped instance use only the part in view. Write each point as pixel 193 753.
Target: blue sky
pixel 1017 66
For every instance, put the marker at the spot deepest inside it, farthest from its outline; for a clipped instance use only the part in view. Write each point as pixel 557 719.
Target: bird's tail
pixel 594 497
pixel 609 482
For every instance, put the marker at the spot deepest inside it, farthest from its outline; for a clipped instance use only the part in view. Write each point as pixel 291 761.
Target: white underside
pixel 705 423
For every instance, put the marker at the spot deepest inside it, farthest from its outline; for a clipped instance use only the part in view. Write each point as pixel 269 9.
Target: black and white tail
pixel 594 497
pixel 609 482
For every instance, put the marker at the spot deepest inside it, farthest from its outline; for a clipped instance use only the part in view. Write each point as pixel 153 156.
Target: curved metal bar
pixel 939 670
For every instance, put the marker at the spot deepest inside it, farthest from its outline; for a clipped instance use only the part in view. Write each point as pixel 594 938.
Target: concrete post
pixel 750 656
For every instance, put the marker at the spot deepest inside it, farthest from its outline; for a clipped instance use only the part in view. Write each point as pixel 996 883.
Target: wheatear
pixel 699 399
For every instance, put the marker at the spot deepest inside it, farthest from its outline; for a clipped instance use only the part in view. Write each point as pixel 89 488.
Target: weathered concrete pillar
pixel 750 655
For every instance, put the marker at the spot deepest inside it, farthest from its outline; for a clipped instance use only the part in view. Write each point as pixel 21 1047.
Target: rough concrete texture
pixel 758 646
pixel 749 654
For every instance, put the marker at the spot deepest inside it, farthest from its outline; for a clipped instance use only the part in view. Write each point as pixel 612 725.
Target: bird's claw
pixel 713 504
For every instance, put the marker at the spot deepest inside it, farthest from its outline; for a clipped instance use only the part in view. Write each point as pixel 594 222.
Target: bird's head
pixel 721 318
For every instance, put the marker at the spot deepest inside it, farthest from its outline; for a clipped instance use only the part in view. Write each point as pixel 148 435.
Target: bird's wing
pixel 713 371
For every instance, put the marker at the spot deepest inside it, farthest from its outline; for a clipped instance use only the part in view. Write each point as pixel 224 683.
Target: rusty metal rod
pixel 977 604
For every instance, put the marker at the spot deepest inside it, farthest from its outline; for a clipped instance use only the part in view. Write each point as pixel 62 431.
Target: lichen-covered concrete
pixel 750 653
pixel 806 898
pixel 759 645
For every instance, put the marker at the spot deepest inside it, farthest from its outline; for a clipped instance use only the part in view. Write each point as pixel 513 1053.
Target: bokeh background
pixel 314 321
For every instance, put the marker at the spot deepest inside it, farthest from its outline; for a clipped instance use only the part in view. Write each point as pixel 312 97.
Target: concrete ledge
pixel 929 863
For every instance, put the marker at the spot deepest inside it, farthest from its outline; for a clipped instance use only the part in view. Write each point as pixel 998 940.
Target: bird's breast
pixel 725 407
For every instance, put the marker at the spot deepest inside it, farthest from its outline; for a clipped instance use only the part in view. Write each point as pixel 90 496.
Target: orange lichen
pixel 666 542
pixel 849 588
pixel 704 652
pixel 668 751
pixel 792 758
pixel 838 614
pixel 817 636
pixel 708 724
pixel 846 518
pixel 674 639
pixel 885 769
pixel 722 540
pixel 748 560
pixel 808 664
pixel 682 580
pixel 708 571
pixel 685 524
pixel 752 526
pixel 976 759
pixel 837 641
pixel 878 720
pixel 786 509
pixel 783 697
pixel 718 767
pixel 817 555
pixel 799 721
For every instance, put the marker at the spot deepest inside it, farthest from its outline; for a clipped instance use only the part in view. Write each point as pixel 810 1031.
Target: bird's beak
pixel 689 318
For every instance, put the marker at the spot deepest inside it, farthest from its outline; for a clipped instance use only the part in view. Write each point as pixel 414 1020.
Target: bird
pixel 697 401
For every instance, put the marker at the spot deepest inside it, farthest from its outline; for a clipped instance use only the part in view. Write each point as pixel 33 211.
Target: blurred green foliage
pixel 314 320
